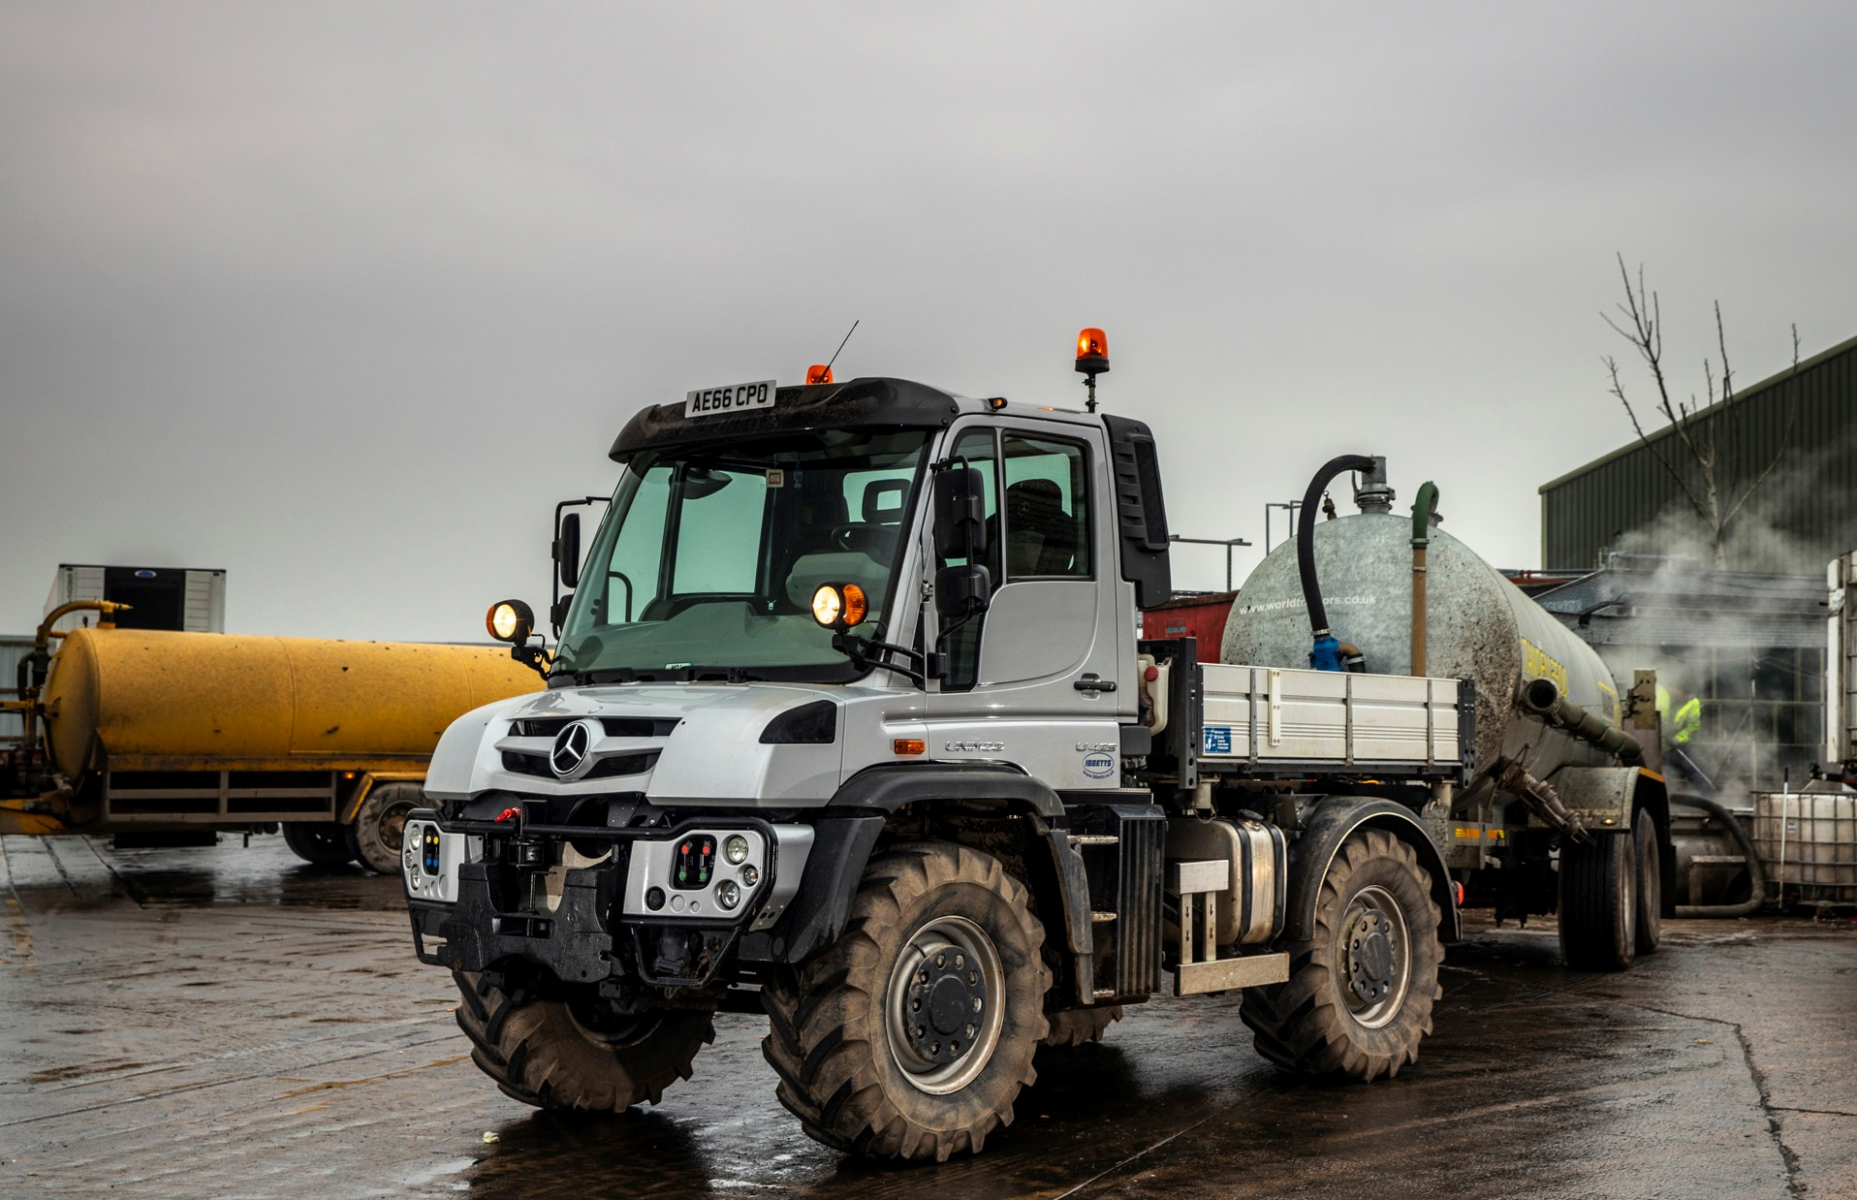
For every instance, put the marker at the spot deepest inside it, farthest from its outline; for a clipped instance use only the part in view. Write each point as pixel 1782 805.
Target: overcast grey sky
pixel 342 297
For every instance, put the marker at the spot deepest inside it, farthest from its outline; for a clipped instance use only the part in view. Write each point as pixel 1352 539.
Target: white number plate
pixel 733 398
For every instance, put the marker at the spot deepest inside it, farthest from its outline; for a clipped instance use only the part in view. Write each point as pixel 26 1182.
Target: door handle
pixel 1090 683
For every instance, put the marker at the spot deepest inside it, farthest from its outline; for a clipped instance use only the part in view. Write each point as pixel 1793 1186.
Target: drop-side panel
pixel 1264 714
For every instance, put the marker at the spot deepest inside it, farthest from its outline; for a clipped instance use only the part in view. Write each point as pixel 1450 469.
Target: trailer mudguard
pixel 1334 819
pixel 1652 793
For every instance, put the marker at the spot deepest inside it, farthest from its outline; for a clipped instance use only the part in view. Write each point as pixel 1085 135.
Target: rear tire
pixel 1650 884
pixel 379 828
pixel 912 1035
pixel 1076 1026
pixel 554 1054
pixel 1360 993
pixel 321 842
pixel 1599 902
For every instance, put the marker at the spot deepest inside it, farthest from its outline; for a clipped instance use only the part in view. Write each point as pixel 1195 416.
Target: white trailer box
pixel 190 599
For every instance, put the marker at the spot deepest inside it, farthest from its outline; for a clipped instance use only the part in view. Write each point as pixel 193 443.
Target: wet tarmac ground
pixel 232 1022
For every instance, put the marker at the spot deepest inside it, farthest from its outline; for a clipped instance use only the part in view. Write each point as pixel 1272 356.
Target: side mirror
pixel 566 551
pixel 963 591
pixel 960 514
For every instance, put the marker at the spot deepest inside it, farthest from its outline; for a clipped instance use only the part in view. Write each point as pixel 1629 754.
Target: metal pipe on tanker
pixel 39 660
pixel 1422 509
pixel 1542 698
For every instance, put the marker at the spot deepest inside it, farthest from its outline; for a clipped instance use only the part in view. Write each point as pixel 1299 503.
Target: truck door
pixel 1033 679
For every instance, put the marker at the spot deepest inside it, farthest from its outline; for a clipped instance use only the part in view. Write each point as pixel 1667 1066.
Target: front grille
pixel 633 727
pixel 606 768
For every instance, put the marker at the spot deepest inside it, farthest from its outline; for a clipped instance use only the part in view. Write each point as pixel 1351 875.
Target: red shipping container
pixel 1201 617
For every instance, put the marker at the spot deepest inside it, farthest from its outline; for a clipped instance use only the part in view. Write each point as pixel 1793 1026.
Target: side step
pixel 1195 884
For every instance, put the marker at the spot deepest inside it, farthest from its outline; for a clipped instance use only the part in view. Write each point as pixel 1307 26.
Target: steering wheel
pixel 858 536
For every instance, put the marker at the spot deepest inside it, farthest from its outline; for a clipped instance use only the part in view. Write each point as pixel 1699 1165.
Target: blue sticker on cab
pixel 1218 740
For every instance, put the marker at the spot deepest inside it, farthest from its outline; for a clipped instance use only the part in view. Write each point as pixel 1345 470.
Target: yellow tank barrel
pixel 158 700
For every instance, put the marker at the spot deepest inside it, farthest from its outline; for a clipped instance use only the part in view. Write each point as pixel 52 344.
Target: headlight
pixel 728 894
pixel 840 605
pixel 735 849
pixel 510 621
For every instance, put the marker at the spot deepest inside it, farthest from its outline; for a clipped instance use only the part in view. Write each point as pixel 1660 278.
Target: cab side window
pixel 1047 507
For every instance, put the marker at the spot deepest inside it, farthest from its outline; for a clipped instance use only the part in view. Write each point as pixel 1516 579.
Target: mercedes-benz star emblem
pixel 572 753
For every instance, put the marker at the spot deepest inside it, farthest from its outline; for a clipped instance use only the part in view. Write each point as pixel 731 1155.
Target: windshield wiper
pixel 858 650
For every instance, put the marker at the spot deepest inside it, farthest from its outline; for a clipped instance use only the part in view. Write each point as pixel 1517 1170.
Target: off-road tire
pixel 1310 1024
pixel 541 1054
pixel 375 836
pixel 321 842
pixel 831 1035
pixel 1650 884
pixel 1599 902
pixel 1078 1026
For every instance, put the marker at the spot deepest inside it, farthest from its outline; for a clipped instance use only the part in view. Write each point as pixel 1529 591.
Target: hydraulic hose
pixel 1323 657
pixel 1757 875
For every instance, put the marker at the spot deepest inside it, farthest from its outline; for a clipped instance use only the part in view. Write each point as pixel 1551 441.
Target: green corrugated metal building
pixel 1810 501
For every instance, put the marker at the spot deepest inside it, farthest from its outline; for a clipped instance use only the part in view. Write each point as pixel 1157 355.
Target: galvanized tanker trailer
pixel 1565 807
pixel 151 731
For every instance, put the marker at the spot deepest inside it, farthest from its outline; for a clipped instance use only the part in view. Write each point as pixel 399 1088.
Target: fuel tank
pixel 158 700
pixel 1480 627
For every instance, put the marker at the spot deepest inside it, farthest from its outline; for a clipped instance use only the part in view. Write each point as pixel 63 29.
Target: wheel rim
pixel 1373 961
pixel 610 1030
pixel 392 826
pixel 945 1005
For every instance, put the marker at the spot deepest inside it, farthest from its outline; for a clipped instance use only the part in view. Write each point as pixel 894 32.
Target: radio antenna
pixel 841 345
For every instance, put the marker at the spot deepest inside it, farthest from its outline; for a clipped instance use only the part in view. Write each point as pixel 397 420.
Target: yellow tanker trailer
pixel 134 730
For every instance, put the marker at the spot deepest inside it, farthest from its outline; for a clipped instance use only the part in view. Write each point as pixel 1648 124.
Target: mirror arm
pixel 536 658
pixel 853 648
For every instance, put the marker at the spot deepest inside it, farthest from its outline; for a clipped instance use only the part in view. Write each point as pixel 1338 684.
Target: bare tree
pixel 1715 488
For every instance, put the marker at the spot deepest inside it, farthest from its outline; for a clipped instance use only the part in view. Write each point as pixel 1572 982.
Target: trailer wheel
pixel 1650 884
pixel 566 1055
pixel 1359 998
pixel 1075 1026
pixel 1599 902
pixel 911 1036
pixel 379 828
pixel 321 842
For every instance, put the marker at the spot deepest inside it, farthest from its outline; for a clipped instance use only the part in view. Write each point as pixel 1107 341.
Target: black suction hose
pixel 1757 874
pixel 1305 535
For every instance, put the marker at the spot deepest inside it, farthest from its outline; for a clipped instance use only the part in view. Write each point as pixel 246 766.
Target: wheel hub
pixel 944 1006
pixel 947 1004
pixel 1373 957
pixel 1373 962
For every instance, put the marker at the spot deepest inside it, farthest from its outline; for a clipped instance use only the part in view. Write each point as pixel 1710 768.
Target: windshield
pixel 709 556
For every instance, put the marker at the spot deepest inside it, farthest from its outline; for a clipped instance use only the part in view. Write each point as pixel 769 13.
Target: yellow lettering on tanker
pixel 1538 664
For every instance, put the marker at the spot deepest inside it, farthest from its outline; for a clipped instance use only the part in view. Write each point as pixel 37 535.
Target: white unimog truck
pixel 848 723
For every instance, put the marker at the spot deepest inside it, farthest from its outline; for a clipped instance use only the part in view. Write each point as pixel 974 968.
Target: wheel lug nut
pixel 941 960
pixel 960 960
